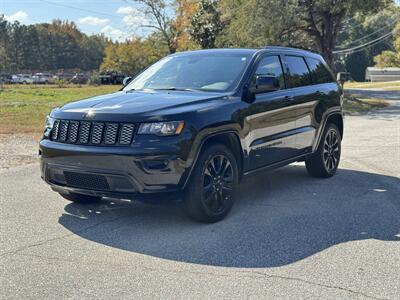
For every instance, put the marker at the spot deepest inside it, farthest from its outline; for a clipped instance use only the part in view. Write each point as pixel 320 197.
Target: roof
pixel 239 51
pixel 246 51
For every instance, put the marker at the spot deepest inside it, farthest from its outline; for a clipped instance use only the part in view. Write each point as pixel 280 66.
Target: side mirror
pixel 342 77
pixel 266 84
pixel 126 80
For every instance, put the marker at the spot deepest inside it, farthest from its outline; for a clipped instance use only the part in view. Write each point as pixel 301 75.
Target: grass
pixel 387 86
pixel 23 108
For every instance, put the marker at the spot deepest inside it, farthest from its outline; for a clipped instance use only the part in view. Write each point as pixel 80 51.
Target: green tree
pixel 322 20
pixel 312 24
pixel 390 58
pixel 361 29
pixel 206 24
pixel 257 23
pixel 4 45
pixel 131 57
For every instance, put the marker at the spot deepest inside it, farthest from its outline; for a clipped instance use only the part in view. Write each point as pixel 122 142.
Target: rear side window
pixel 271 66
pixel 298 71
pixel 319 73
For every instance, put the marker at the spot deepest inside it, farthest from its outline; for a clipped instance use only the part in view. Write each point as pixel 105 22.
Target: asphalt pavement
pixel 289 236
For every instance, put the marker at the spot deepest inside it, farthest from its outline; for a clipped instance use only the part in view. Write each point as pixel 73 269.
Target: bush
pixel 60 83
pixel 94 79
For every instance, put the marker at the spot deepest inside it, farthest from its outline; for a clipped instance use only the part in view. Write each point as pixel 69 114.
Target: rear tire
pixel 209 195
pixel 325 161
pixel 80 198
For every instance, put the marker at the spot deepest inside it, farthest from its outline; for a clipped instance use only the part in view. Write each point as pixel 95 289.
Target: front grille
pixel 93 133
pixel 86 181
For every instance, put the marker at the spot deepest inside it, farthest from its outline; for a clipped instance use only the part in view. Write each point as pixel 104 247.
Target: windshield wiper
pixel 177 89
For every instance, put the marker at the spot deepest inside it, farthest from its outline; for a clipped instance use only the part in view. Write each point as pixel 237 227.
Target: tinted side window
pixel 271 66
pixel 319 73
pixel 298 71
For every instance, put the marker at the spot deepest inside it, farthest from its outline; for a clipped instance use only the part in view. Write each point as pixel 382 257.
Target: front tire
pixel 325 161
pixel 209 195
pixel 80 198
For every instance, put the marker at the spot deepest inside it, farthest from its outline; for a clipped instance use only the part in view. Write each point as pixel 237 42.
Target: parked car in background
pixel 42 78
pixel 25 79
pixel 63 76
pixel 197 123
pixel 5 78
pixel 111 78
pixel 79 78
pixel 14 79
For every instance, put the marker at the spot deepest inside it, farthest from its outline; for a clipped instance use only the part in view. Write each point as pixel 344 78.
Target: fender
pixel 198 150
pixel 330 112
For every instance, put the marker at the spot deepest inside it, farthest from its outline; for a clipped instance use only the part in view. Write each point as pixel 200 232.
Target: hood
pixel 141 102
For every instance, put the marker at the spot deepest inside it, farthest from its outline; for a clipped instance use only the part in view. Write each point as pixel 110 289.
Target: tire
pixel 80 198
pixel 325 161
pixel 209 195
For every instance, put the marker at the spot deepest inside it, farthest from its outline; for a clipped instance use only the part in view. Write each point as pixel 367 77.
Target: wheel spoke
pixel 218 179
pixel 331 164
pixel 334 160
pixel 207 172
pixel 226 166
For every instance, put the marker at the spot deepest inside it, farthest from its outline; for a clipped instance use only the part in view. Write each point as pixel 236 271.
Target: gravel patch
pixel 18 149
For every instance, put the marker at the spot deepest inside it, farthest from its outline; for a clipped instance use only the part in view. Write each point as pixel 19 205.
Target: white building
pixel 385 74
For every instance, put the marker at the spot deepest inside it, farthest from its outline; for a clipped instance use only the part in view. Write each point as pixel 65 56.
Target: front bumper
pixel 121 172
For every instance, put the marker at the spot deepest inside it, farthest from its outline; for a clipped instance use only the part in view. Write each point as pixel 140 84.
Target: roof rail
pixel 285 48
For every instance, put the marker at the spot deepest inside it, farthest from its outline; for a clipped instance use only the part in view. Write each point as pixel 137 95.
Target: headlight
pixel 162 128
pixel 48 126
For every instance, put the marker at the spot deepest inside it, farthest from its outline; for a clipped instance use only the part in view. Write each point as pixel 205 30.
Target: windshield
pixel 204 72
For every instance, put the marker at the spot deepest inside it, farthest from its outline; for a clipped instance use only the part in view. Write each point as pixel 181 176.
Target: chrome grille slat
pixel 73 131
pixel 126 134
pixel 56 127
pixel 84 132
pixel 110 137
pixel 63 130
pixel 93 133
pixel 97 133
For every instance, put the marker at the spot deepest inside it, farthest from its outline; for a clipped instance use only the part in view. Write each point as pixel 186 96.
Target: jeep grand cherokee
pixel 197 122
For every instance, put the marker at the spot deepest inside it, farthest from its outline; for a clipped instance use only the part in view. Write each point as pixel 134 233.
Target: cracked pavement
pixel 288 236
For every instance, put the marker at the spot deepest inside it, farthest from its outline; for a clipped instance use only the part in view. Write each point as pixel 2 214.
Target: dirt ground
pixel 18 149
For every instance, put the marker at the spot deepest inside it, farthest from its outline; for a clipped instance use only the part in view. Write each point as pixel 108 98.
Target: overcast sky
pixel 117 19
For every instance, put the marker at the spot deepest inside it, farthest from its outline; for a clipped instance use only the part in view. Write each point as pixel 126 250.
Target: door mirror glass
pixel 126 81
pixel 266 84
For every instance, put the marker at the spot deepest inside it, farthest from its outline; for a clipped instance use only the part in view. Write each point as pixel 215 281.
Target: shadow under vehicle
pixel 280 218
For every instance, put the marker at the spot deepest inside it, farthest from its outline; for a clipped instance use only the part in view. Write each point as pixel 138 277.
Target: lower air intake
pixel 86 181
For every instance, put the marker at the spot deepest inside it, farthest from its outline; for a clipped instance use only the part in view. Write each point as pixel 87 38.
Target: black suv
pixel 197 122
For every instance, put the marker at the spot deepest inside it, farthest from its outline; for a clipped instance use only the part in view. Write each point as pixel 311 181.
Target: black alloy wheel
pixel 325 160
pixel 210 193
pixel 331 151
pixel 218 183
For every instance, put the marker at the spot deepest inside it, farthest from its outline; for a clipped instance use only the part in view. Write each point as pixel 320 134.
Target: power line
pixel 373 33
pixel 351 50
pixel 364 46
pixel 369 46
pixel 81 9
